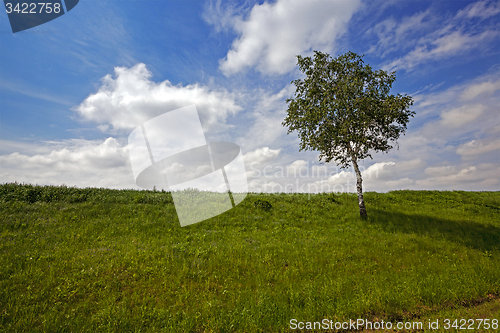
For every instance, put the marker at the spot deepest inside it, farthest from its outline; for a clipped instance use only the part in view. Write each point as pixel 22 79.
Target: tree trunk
pixel 359 188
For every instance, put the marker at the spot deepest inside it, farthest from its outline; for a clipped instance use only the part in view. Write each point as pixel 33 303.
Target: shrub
pixel 263 204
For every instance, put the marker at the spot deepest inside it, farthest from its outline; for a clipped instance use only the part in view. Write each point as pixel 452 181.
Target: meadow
pixel 101 260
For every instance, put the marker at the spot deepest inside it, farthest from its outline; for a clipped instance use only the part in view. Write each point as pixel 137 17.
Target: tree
pixel 343 109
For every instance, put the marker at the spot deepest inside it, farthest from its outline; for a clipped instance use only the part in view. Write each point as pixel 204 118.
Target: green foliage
pixel 35 193
pixel 343 108
pixel 263 204
pixel 120 262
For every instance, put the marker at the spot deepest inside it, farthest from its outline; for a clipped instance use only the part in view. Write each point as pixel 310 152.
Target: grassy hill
pixel 100 260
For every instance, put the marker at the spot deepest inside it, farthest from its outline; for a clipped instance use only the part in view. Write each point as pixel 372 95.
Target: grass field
pixel 100 260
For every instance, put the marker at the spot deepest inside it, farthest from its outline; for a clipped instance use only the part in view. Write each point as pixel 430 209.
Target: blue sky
pixel 72 90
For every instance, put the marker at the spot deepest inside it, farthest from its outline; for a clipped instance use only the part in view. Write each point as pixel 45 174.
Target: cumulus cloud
pixel 131 97
pixel 72 162
pixel 304 176
pixel 274 33
pixel 482 176
pixel 380 176
pixel 261 155
pixel 391 175
pixel 259 159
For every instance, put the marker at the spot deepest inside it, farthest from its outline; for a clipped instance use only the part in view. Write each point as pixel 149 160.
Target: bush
pixel 263 204
pixel 35 193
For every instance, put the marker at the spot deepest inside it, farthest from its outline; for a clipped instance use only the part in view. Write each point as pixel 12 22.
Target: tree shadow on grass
pixel 479 236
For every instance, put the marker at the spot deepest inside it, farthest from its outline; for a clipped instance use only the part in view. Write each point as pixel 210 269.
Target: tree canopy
pixel 343 109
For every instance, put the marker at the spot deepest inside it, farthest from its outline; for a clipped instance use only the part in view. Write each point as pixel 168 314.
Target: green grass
pixel 100 260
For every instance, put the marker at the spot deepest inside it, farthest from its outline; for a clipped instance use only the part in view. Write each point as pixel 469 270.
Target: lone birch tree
pixel 343 109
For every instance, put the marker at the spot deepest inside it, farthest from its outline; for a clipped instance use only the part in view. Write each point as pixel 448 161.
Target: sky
pixel 73 89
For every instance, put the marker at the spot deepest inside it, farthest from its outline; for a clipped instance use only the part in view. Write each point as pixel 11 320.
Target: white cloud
pixel 483 89
pixel 265 119
pixel 223 17
pixel 447 120
pixel 298 168
pixel 478 147
pixel 387 175
pixel 439 47
pixel 399 184
pixel 463 115
pixel 411 165
pixel 425 36
pixel 381 176
pixel 471 106
pixel 72 162
pixel 481 9
pixel 130 98
pixel 274 33
pixel 464 112
pixel 480 90
pixel 439 170
pixel 393 35
pixel 261 155
pixel 259 159
pixel 483 176
pixel 7 147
